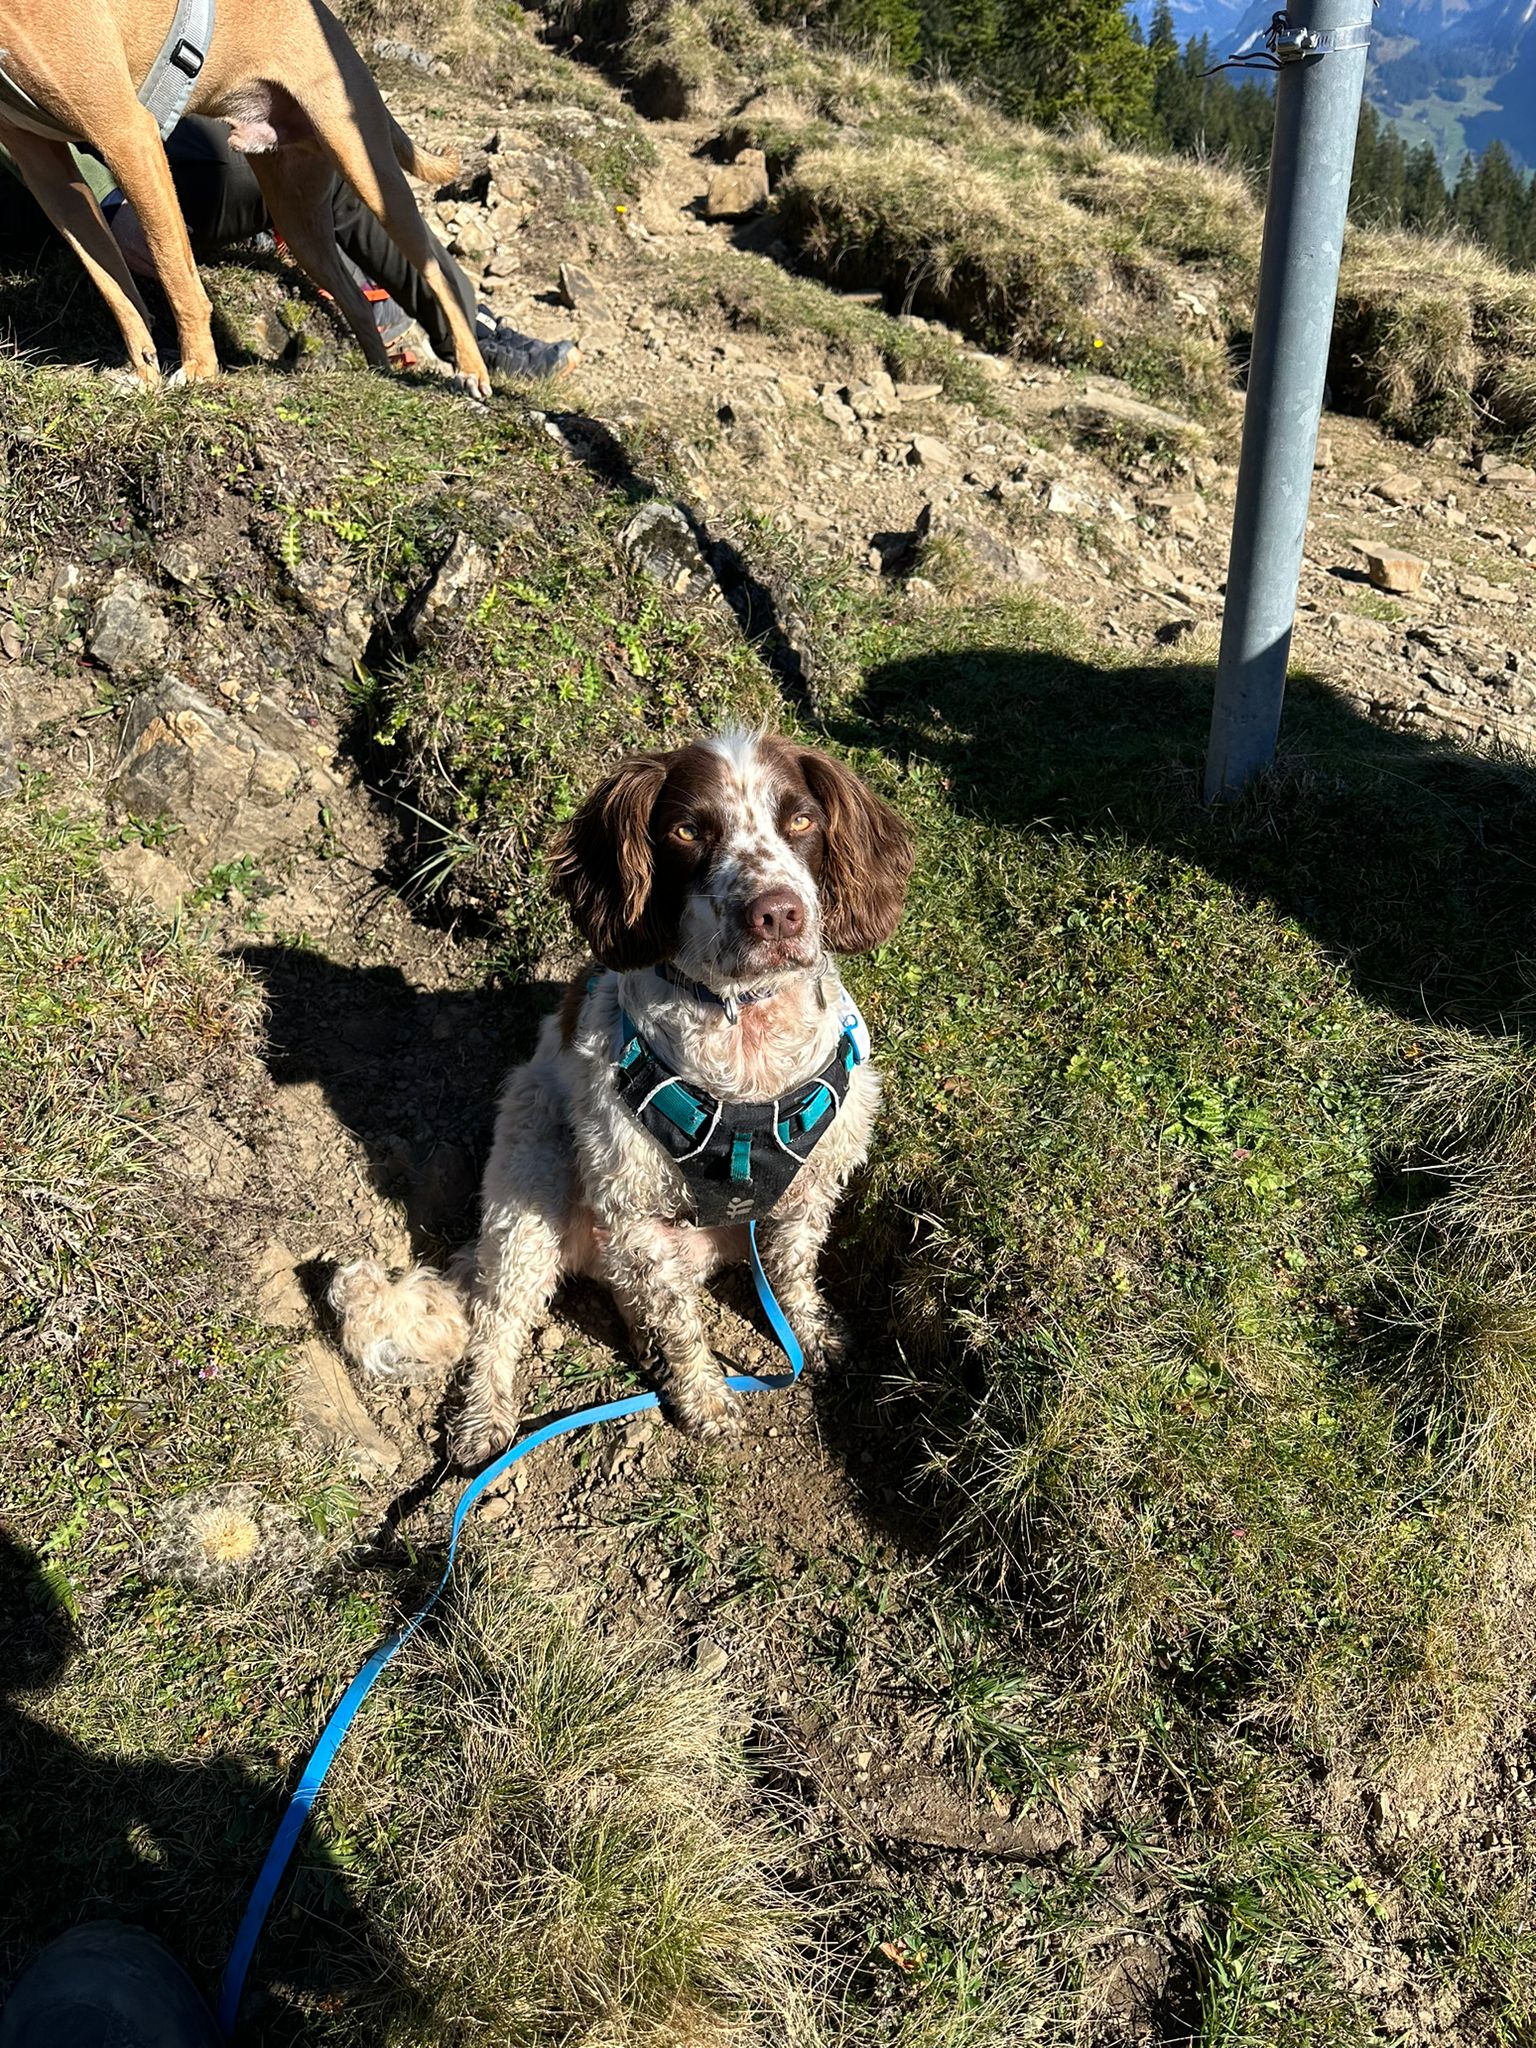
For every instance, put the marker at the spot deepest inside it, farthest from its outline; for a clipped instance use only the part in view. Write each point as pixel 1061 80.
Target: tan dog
pixel 300 101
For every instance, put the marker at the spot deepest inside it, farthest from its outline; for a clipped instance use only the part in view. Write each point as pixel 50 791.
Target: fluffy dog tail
pixel 432 170
pixel 390 1327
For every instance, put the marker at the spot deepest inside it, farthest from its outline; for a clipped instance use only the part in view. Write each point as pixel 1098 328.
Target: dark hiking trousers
pixel 222 206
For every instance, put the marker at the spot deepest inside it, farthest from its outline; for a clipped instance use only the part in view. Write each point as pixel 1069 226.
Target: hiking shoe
pixel 511 354
pixel 104 1985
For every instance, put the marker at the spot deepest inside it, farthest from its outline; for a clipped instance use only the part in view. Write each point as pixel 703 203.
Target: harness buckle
pixel 187 58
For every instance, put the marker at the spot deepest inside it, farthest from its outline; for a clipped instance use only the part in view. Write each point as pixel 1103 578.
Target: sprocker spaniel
pixel 708 1071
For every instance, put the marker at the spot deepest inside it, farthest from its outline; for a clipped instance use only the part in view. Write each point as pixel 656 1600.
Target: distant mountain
pixel 1455 73
pixel 1471 83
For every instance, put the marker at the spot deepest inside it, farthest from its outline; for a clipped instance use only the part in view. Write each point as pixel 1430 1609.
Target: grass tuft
pixel 581 1857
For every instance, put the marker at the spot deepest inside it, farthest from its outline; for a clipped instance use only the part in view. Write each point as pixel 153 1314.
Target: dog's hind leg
pixel 57 186
pixel 342 102
pixel 296 184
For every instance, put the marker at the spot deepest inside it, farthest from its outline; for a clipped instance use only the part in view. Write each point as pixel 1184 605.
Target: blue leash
pixel 345 1711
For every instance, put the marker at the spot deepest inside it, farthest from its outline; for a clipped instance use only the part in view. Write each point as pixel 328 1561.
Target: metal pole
pixel 1317 111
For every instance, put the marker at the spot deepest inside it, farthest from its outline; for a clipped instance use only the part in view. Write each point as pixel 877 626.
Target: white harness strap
pixel 165 90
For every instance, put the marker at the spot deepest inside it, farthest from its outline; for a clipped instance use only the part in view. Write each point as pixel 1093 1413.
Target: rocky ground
pixel 1063 481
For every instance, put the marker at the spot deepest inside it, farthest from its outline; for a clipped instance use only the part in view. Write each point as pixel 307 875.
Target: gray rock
pixel 471 240
pixel 1394 569
pixel 925 452
pixel 1182 513
pixel 128 630
pixel 328 592
pixel 64 586
pixel 709 1660
pixel 181 563
pixel 1493 469
pixel 659 542
pixel 994 559
pixel 551 177
pixel 453 585
pixel 1398 489
pixel 580 293
pixel 236 785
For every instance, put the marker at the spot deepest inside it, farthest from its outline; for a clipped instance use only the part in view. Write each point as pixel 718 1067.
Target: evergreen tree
pixel 894 27
pixel 1065 60
pixel 1426 203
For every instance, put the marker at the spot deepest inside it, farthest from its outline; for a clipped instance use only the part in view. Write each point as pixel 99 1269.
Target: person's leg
pixel 104 1985
pixel 26 233
pixel 296 186
pixel 369 244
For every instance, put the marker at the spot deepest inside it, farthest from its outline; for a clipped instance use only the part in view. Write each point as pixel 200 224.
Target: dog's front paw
pixel 707 1409
pixel 475 1438
pixel 826 1341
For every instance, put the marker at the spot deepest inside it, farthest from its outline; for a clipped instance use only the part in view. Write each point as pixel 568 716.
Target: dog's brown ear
pixel 867 861
pixel 601 864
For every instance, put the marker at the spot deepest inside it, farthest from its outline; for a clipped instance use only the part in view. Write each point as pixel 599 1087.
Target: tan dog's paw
pixel 708 1410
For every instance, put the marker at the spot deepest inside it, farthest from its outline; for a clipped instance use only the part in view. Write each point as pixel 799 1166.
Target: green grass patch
pixel 129 1371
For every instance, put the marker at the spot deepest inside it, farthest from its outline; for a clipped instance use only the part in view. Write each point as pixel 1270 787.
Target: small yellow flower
pixel 1098 341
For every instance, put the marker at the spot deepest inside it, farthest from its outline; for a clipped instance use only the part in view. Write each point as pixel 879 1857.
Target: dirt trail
pixel 797 431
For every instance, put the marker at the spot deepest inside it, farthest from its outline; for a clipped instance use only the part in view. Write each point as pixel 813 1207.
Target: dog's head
pixel 737 858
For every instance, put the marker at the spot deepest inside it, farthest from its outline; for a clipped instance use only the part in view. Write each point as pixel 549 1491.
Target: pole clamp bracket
pixel 1286 43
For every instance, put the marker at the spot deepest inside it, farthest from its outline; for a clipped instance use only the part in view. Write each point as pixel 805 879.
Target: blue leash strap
pixel 345 1711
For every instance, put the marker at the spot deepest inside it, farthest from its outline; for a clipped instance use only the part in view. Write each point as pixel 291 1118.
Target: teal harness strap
pixel 737 1159
pixel 334 1733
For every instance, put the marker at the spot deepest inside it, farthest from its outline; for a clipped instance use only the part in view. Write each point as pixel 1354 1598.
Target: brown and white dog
pixel 724 872
pixel 300 102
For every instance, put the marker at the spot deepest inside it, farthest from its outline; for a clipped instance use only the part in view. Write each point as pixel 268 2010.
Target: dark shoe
pixel 104 1985
pixel 510 354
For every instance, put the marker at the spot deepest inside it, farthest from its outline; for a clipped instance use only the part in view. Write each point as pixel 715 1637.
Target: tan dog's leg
pixel 358 132
pixel 131 144
pixel 296 186
pixel 69 203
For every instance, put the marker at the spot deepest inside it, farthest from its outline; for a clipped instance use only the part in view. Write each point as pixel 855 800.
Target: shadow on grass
pixel 172 1846
pixel 1409 860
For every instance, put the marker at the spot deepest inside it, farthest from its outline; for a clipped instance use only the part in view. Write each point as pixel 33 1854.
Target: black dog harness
pixel 739 1159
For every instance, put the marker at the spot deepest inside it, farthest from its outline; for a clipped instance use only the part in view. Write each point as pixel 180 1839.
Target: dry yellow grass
pixel 1060 246
pixel 566 1846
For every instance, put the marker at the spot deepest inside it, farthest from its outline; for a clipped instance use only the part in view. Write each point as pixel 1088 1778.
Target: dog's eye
pixel 685 835
pixel 802 821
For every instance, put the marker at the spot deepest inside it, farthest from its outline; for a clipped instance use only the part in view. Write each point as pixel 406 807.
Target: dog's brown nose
pixel 776 914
